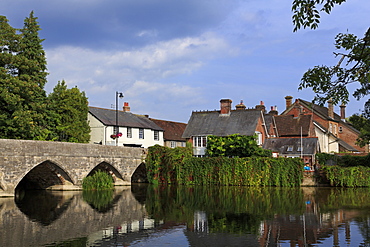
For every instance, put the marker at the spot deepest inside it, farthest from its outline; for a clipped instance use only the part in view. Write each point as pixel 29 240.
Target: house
pixel 333 132
pixel 305 148
pixel 172 132
pixel 133 130
pixel 227 121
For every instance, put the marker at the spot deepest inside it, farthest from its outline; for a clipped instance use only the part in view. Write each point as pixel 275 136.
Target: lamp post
pixel 116 131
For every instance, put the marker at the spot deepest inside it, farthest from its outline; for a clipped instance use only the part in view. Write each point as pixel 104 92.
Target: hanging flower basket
pixel 113 136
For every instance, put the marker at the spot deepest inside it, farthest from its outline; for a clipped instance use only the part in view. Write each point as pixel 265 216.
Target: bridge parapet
pixel 68 162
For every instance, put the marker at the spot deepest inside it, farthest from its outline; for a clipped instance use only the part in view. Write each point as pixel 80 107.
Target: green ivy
pixel 356 176
pixel 166 165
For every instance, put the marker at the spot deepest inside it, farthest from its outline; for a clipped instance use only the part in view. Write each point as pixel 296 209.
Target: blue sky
pixel 170 58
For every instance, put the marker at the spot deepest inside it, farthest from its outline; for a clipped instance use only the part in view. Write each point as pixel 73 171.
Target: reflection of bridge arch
pixel 43 176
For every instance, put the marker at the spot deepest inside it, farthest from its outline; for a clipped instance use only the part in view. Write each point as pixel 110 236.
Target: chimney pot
pixel 288 101
pixel 342 112
pixel 126 107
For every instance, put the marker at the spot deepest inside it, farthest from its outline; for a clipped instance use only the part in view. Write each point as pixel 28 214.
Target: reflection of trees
pixel 42 206
pixel 100 200
pixel 226 206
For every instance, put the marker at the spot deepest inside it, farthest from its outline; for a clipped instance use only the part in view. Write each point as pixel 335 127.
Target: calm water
pixel 188 216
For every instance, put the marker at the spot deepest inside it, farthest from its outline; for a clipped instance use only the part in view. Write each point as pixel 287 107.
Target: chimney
pixel 240 106
pixel 288 101
pixel 342 112
pixel 225 106
pixel 126 107
pixel 330 109
pixel 261 107
pixel 273 111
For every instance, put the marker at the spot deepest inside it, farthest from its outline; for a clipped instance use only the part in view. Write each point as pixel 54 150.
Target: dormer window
pixel 289 149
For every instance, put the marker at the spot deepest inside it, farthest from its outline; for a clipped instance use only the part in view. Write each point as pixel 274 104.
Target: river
pixel 146 215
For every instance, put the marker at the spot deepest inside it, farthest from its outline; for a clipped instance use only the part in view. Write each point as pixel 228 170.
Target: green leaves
pixel 234 146
pixel 306 13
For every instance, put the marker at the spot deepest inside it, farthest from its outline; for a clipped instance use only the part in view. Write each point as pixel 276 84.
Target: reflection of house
pixel 226 122
pixel 306 148
pixel 333 132
pixel 137 130
pixel 172 132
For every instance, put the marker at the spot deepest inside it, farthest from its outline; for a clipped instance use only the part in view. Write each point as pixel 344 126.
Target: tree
pixel 362 124
pixel 69 109
pixel 234 146
pixel 331 82
pixel 23 76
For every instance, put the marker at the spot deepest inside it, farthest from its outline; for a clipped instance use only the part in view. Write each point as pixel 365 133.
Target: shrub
pixel 98 181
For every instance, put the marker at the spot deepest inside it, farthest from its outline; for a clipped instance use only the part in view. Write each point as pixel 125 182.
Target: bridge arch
pixel 43 176
pixel 140 174
pixel 111 170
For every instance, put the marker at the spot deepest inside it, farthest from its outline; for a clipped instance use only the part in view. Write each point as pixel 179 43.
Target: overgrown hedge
pixel 166 165
pixel 355 176
pixel 343 161
pixel 346 170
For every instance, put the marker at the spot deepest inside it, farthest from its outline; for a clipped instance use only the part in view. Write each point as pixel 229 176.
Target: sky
pixel 170 58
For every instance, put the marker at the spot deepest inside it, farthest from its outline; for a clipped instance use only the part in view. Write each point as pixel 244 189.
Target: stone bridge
pixel 28 164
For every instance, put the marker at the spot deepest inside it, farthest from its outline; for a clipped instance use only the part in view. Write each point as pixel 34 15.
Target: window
pixel 289 149
pixel 129 132
pixel 299 149
pixel 141 133
pixel 200 141
pixel 156 135
pixel 173 144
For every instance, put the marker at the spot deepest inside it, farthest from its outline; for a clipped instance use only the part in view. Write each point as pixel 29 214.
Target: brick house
pixel 332 130
pixel 172 134
pixel 227 121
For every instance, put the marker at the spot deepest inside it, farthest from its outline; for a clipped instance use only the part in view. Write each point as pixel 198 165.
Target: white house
pixel 133 130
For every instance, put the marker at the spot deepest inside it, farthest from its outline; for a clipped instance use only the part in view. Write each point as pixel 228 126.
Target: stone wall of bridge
pixel 62 164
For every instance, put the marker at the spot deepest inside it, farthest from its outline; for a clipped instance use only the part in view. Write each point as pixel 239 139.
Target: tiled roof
pixel 172 130
pixel 288 125
pixel 125 119
pixel 243 122
pixel 323 111
pixel 280 145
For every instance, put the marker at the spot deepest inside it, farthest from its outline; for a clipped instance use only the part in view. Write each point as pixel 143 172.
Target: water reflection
pixel 189 216
pixel 42 206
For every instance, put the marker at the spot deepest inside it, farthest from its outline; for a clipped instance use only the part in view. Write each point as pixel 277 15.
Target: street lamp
pixel 116 131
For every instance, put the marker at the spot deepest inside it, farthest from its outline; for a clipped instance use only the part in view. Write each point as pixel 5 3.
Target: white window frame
pixel 129 132
pixel 141 133
pixel 173 144
pixel 156 135
pixel 200 141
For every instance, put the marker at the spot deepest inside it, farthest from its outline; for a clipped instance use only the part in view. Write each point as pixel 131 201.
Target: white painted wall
pixel 100 133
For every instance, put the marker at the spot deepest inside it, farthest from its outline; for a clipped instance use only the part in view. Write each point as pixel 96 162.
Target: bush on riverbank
pixel 355 176
pixel 166 165
pixel 98 181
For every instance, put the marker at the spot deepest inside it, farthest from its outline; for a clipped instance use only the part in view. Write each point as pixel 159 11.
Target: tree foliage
pixel 69 108
pixel 306 13
pixel 234 146
pixel 362 124
pixel 26 112
pixel 23 76
pixel 353 66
